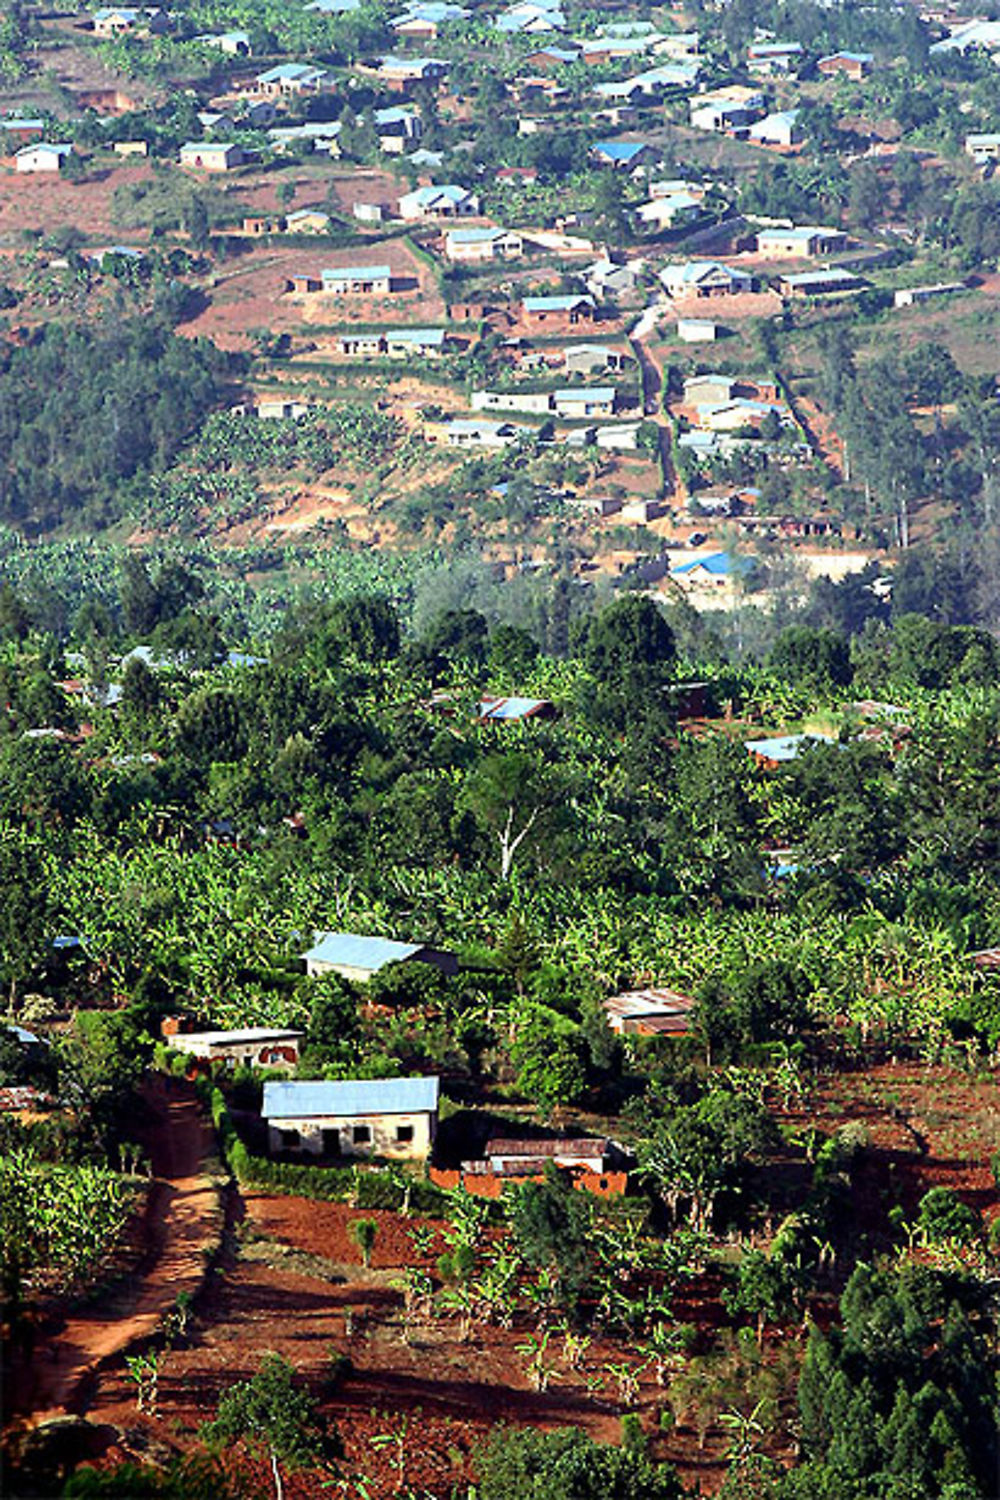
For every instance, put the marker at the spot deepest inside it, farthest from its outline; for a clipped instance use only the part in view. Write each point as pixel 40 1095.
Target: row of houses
pixel 572 403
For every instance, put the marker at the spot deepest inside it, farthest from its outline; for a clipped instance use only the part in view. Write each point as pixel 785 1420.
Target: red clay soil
pixel 422 1396
pixel 48 202
pixel 182 1223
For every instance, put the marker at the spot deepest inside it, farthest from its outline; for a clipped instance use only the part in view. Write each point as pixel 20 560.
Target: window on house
pixel 361 1135
pixel 289 1140
pixel 404 1134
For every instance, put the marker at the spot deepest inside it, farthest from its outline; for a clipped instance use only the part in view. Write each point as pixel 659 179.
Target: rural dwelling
pixel 364 1117
pixel 557 313
pixel 727 110
pixel 853 65
pixel 969 36
pixel 232 43
pixel 358 957
pixel 583 402
pixel 910 296
pixel 773 59
pixel 467 432
pixel 17 128
pixel 539 403
pixel 984 147
pixel 702 389
pixel 421 22
pixel 737 415
pixel 397 127
pixel 478 245
pixel 705 278
pixel 45 157
pixel 369 213
pixel 307 221
pixel 111 22
pixel 784 747
pixel 529 19
pixel 696 331
pixel 715 570
pixel 254 1047
pixel 805 241
pixel 318 135
pixel 446 201
pixel 641 512
pixel 131 148
pixel 517 1158
pixel 585 359
pixel 395 343
pixel 356 281
pixel 668 210
pixel 292 79
pixel 652 1012
pixel 623 156
pixel 401 74
pixel 596 1165
pixel 494 710
pixel 212 156
pixel 781 128
pixel 606 278
pixel 830 282
pixel 363 345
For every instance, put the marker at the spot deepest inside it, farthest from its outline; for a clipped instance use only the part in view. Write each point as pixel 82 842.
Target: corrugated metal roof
pixel 572 1146
pixel 510 708
pixel 182 1039
pixel 357 273
pixel 355 951
pixel 785 746
pixel 298 1100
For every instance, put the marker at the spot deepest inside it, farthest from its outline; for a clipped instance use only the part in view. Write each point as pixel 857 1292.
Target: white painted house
pixel 364 1117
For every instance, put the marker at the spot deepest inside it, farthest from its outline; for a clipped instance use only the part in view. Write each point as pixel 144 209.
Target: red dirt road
pixel 182 1222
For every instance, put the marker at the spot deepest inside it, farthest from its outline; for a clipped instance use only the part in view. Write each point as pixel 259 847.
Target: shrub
pixel 943 1216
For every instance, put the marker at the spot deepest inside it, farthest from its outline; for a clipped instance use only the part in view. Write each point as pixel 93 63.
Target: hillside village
pixel 499 738
pixel 664 198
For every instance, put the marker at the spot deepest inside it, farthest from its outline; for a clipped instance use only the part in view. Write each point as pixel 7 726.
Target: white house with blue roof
pixel 359 957
pixel 352 1117
pixel 446 200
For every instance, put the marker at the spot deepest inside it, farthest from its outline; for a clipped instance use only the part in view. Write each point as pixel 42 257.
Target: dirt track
pixel 182 1222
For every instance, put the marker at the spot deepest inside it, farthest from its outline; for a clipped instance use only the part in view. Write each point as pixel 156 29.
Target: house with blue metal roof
pixel 779 749
pixel 446 200
pixel 715 567
pixel 493 710
pixel 622 155
pixel 352 1117
pixel 356 281
pixel 358 957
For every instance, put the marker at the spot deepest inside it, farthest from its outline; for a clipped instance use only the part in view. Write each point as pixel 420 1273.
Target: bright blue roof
pixel 358 952
pixel 784 746
pixel 510 708
pixel 555 304
pixel 357 273
pixel 475 236
pixel 415 335
pixel 295 1099
pixel 288 70
pixel 719 563
pixel 619 150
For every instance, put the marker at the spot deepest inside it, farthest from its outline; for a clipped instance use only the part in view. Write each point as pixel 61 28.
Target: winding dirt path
pixel 182 1223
